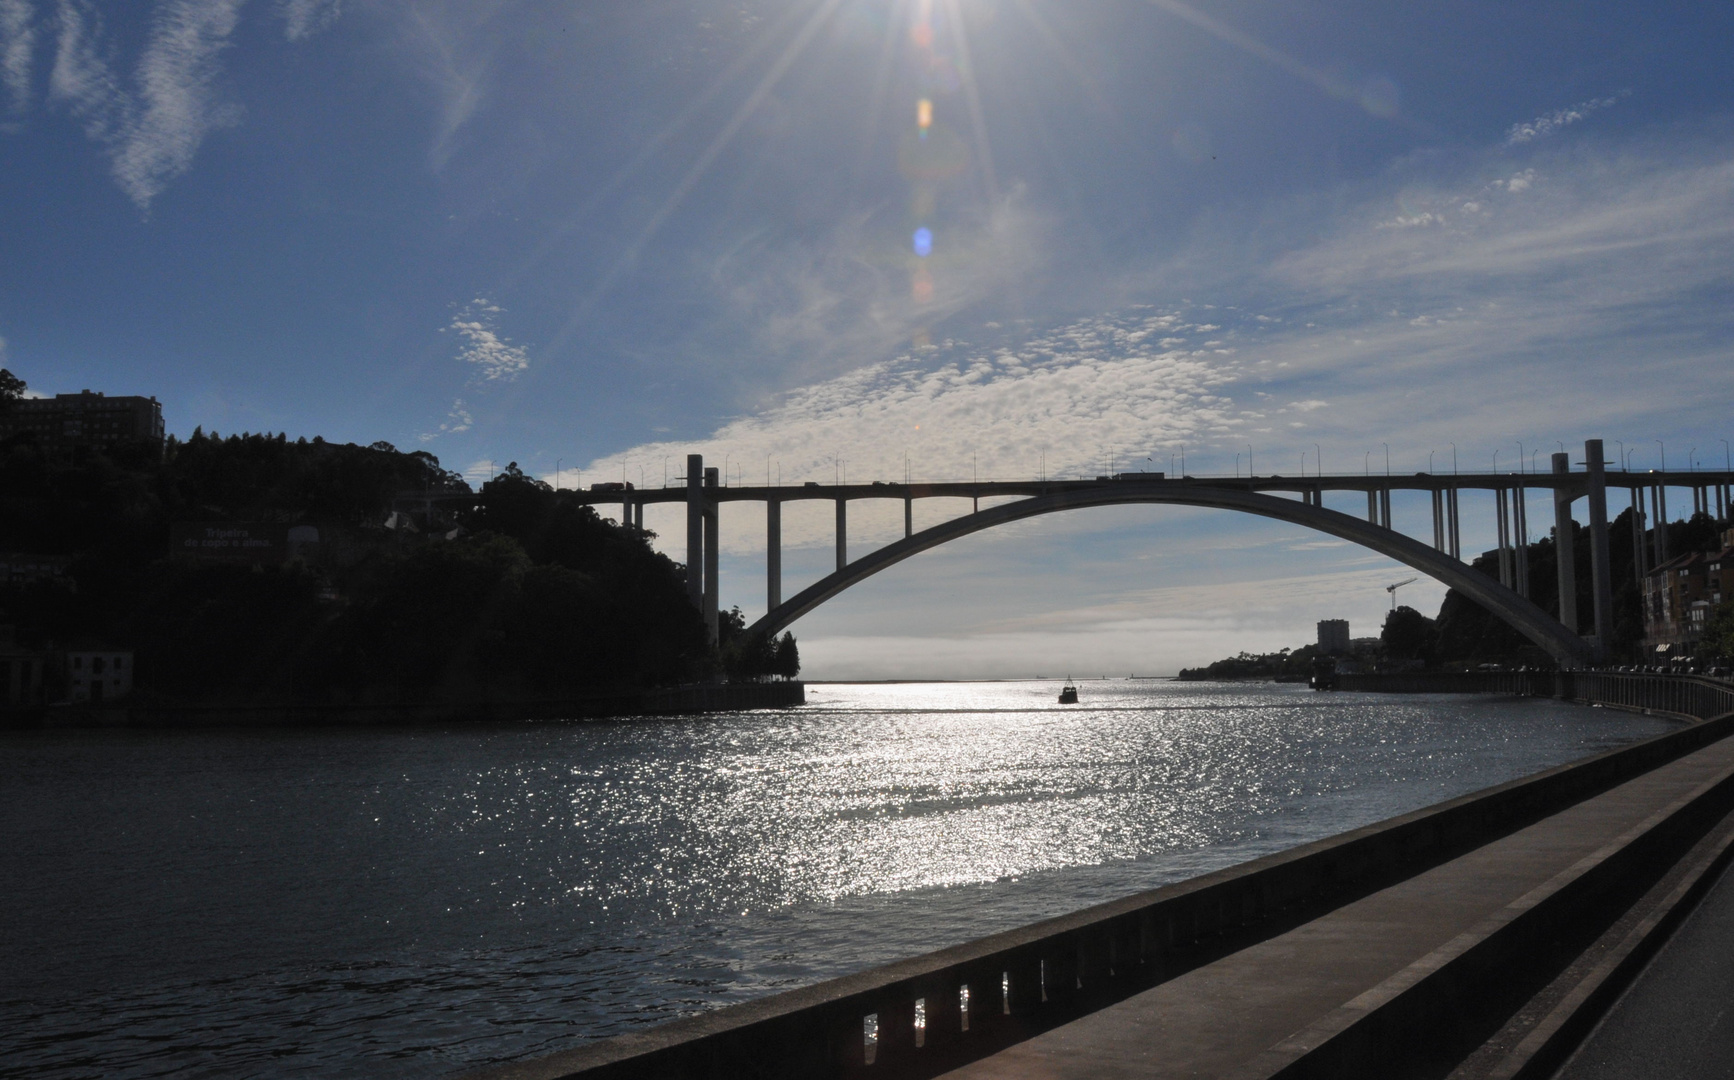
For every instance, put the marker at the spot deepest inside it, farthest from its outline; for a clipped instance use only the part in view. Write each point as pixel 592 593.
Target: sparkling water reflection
pixel 406 902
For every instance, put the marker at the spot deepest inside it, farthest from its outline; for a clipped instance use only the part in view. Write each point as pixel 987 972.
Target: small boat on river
pixel 1068 694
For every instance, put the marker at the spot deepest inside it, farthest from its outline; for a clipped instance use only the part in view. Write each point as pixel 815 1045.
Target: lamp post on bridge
pixel 557 463
pixel 1453 459
pixel 1520 457
pixel 1664 447
pixel 1387 459
pixel 1319 459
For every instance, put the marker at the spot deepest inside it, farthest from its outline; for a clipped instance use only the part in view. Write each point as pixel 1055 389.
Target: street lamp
pixel 1453 459
pixel 1367 463
pixel 1664 447
pixel 1429 463
pixel 1319 460
pixel 1532 454
pixel 557 463
pixel 1387 447
pixel 1496 461
pixel 1691 460
pixel 1520 455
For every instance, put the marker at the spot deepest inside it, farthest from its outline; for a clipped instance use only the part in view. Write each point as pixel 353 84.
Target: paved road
pixel 1677 1021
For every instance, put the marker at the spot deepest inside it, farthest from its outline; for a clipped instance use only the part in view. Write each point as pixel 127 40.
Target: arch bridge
pixel 1298 500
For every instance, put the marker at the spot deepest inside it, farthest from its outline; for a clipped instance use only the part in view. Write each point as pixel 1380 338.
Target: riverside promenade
pixel 1483 937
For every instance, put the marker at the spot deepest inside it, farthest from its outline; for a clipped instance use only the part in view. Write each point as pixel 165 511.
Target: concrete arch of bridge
pixel 1528 619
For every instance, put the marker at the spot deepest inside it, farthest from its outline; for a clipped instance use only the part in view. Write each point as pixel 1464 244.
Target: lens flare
pixel 924 115
pixel 924 241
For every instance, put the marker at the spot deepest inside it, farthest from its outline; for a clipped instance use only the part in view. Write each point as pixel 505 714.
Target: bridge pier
pixel 1451 514
pixel 908 515
pixel 711 532
pixel 1520 519
pixel 1659 503
pixel 1502 524
pixel 842 533
pixel 773 553
pixel 1640 559
pixel 1601 576
pixel 695 530
pixel 1565 547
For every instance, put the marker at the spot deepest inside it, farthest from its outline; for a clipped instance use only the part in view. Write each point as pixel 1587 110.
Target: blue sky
pixel 602 235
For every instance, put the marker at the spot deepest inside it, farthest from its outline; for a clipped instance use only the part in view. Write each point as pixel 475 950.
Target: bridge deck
pixel 1239 1017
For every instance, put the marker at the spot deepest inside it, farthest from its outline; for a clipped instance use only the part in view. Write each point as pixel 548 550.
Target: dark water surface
pixel 411 902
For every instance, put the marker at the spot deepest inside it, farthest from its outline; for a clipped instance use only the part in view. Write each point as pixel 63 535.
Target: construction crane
pixel 1392 589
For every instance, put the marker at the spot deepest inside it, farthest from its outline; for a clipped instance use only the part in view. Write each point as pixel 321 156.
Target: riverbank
pixel 670 701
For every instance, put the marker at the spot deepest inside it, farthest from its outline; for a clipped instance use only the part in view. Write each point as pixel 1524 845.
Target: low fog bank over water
pixel 412 902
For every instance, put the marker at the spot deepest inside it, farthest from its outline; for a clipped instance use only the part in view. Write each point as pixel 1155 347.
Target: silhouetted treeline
pixel 1284 665
pixel 517 590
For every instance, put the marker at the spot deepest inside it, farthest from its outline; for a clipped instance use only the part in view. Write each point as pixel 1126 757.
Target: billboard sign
pixel 229 541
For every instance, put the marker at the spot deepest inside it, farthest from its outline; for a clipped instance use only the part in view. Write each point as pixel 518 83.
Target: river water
pixel 412 902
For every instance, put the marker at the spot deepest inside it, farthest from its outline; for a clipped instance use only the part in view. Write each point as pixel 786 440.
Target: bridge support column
pixel 1385 507
pixel 1438 498
pixel 695 530
pixel 710 558
pixel 1451 514
pixel 1565 546
pixel 1640 556
pixel 1520 523
pixel 1659 497
pixel 1372 506
pixel 842 533
pixel 1502 519
pixel 908 516
pixel 1601 574
pixel 773 553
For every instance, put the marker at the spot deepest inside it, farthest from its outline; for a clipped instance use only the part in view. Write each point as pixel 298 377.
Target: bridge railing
pixel 923 1016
